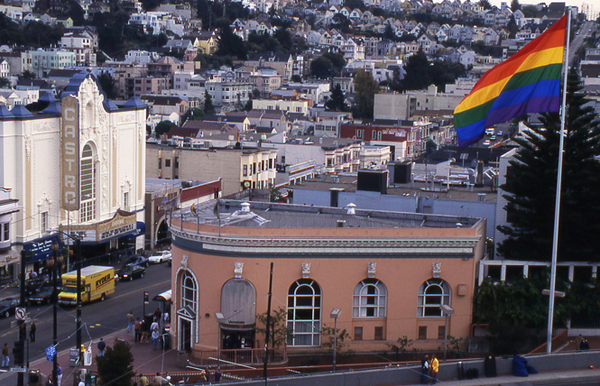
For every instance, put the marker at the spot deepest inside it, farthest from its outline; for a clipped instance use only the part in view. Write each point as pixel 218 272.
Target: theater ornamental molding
pixel 309 245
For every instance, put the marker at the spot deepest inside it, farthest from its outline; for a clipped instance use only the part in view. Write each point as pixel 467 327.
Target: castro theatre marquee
pixel 77 168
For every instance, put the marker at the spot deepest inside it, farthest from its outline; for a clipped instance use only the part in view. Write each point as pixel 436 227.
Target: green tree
pixel 208 104
pixel 366 88
pixel 327 65
pixel 531 185
pixel 417 72
pixel 115 368
pixel 485 4
pixel 108 84
pixel 229 44
pixel 248 106
pixel 278 329
pixel 352 4
pixel 194 114
pixel 4 83
pixel 328 334
pixel 337 102
pixel 163 127
pixel 514 5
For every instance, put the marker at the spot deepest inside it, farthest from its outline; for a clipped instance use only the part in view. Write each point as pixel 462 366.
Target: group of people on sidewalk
pixel 429 369
pixel 153 330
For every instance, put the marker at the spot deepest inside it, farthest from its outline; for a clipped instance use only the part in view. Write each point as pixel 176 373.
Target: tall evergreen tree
pixel 209 108
pixel 337 101
pixel 531 187
pixel 366 88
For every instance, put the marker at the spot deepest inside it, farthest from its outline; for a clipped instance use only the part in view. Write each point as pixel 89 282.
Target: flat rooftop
pixel 438 187
pixel 236 213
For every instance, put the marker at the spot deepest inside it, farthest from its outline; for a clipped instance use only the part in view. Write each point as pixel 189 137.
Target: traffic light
pixel 146 297
pixel 19 352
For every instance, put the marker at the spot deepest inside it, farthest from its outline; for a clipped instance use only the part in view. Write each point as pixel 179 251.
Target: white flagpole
pixel 563 114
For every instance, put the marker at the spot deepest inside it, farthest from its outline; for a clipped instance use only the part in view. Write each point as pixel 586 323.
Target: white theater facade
pixel 77 168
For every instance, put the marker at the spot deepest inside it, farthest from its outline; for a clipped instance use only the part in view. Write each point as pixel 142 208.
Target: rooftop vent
pixel 246 207
pixel 351 208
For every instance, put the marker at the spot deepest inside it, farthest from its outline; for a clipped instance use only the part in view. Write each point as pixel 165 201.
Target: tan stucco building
pixel 387 271
pixel 254 167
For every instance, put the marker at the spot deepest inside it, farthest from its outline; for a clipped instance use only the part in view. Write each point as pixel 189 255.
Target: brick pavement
pixel 145 360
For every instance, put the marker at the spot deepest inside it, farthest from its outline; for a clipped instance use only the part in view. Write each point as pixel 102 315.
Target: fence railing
pixel 246 356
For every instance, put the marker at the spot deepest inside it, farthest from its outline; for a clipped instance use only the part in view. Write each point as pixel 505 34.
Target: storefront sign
pixel 39 249
pixel 70 153
pixel 123 223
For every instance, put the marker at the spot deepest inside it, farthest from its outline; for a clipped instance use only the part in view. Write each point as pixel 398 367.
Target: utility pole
pixel 78 258
pixel 21 323
pixel 268 332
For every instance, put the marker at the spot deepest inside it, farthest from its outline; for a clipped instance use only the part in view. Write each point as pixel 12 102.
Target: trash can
pixel 182 359
pixel 73 357
pixel 490 366
pixel 35 378
pixel 461 370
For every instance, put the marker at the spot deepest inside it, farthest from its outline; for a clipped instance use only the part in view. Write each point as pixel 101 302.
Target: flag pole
pixel 558 187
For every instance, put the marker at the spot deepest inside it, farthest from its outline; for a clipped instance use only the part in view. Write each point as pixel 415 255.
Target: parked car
pixel 34 285
pixel 43 296
pixel 130 272
pixel 137 260
pixel 7 307
pixel 160 257
pixel 487 142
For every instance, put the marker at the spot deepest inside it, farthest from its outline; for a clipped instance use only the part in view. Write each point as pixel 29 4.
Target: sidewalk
pixel 145 360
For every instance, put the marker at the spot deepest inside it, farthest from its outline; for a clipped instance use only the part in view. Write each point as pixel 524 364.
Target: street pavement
pixel 100 319
pixel 145 360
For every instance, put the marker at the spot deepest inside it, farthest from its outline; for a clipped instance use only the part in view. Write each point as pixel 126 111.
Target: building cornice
pixel 433 246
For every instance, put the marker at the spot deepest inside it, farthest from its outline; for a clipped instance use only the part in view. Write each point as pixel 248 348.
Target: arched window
pixel 369 299
pixel 88 185
pixel 304 313
pixel 432 293
pixel 188 291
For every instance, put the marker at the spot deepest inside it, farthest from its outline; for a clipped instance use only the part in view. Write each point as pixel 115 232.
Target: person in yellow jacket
pixel 435 367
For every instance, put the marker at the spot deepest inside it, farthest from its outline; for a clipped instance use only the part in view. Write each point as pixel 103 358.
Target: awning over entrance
pixel 163 297
pixel 39 249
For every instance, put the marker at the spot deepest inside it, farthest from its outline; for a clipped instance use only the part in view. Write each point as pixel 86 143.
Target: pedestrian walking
pixel 155 336
pixel 158 380
pixel 130 320
pixel 137 326
pixel 5 357
pixel 157 315
pixel 142 380
pixel 218 376
pixel 101 347
pixel 32 331
pixel 425 369
pixel 59 374
pixel 435 368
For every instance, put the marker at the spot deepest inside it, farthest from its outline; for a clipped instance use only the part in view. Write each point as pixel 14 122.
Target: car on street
pixel 34 285
pixel 160 256
pixel 7 307
pixel 130 272
pixel 137 260
pixel 486 142
pixel 43 296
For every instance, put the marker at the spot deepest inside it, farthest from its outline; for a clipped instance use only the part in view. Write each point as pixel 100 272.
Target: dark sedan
pixel 7 307
pixel 130 272
pixel 138 260
pixel 43 296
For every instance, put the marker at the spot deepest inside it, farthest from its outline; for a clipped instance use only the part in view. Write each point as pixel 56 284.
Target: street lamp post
pixel 220 318
pixel 447 311
pixel 78 289
pixel 335 313
pixel 55 265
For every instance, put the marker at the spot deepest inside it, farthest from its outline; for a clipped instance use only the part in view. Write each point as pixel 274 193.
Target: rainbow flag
pixel 527 82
